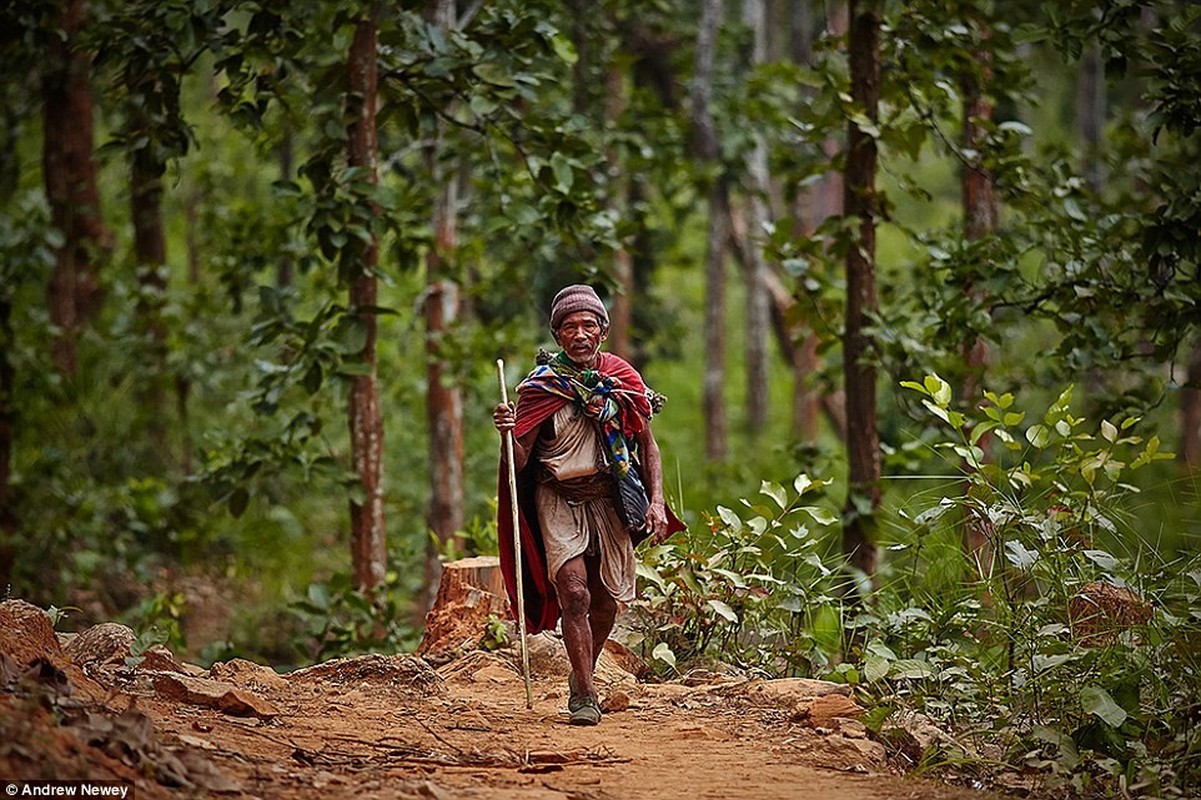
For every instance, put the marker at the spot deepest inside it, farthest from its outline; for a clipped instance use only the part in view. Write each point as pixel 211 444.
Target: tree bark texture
pixel 758 304
pixel 368 543
pixel 859 371
pixel 285 267
pixel 150 254
pixel 69 170
pixel 708 151
pixel 621 311
pixel 444 398
pixel 444 407
pixel 980 218
pixel 814 204
pixel 1090 115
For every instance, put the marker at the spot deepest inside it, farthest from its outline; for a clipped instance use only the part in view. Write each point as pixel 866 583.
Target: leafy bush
pixel 339 620
pixel 1013 610
pixel 744 590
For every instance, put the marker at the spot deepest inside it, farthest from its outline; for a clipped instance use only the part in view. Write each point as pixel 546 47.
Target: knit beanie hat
pixel 577 297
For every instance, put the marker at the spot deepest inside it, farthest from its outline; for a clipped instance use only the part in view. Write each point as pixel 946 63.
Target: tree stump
pixel 470 592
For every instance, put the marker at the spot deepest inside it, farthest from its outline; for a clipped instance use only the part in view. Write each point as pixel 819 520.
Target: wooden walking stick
pixel 507 436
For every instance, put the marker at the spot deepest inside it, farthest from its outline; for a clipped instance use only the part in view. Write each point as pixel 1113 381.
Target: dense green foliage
pixel 198 483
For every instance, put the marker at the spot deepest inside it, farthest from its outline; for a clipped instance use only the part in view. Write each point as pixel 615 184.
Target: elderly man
pixel 580 426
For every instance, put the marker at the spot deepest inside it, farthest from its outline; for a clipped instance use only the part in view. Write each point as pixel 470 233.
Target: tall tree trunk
pixel 758 303
pixel 69 169
pixel 1090 114
pixel 1190 412
pixel 369 556
pixel 150 255
pixel 801 31
pixel 815 204
pixel 444 398
pixel 285 266
pixel 621 311
pixel 980 215
pixel 859 371
pixel 708 151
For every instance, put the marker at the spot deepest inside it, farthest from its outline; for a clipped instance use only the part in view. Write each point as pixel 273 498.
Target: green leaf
pixel 981 428
pixel 1038 435
pixel 662 652
pixel 351 335
pixel 1108 431
pixel 1019 556
pixel 917 387
pixel 911 668
pixel 564 48
pixel 875 668
pixel 1102 559
pixel 775 491
pixel 802 483
pixel 564 174
pixel 493 74
pixel 482 106
pixel 939 389
pixel 724 610
pixel 820 515
pixel 1096 701
pixel 732 520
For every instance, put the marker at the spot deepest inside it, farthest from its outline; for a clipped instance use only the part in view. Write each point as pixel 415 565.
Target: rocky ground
pixel 398 727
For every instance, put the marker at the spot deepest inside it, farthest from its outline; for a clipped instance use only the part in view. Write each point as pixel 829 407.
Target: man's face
pixel 580 335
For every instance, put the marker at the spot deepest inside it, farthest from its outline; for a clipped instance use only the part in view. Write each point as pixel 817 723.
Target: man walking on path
pixel 583 450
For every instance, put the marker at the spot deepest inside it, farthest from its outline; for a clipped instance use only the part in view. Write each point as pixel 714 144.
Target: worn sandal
pixel 587 712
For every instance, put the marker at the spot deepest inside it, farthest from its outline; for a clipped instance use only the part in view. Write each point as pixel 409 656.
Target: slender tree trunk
pixel 1090 114
pixel 859 371
pixel 621 311
pixel 444 398
pixel 150 255
pixel 368 544
pixel 69 169
pixel 980 216
pixel 708 150
pixel 814 204
pixel 285 267
pixel 444 406
pixel 1190 412
pixel 758 303
pixel 801 31
pixel 183 385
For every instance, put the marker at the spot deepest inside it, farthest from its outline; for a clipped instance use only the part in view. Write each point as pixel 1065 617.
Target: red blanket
pixel 534 407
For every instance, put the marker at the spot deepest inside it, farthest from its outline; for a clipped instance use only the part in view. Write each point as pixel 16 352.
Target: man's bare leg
pixel 602 611
pixel 575 599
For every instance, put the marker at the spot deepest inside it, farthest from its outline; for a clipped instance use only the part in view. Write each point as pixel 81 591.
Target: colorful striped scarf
pixel 619 409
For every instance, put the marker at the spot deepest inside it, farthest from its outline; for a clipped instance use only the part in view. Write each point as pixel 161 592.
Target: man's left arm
pixel 652 474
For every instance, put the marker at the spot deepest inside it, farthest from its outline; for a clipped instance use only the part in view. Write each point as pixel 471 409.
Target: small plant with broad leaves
pixel 742 592
pixel 338 619
pixel 1065 650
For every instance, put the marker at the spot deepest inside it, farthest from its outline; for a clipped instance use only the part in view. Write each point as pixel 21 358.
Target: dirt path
pixel 386 728
pixel 396 727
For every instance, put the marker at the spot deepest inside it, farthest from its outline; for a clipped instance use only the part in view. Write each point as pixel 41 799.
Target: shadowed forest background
pixel 920 281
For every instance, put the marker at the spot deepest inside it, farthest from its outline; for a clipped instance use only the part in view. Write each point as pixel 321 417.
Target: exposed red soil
pixel 396 727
